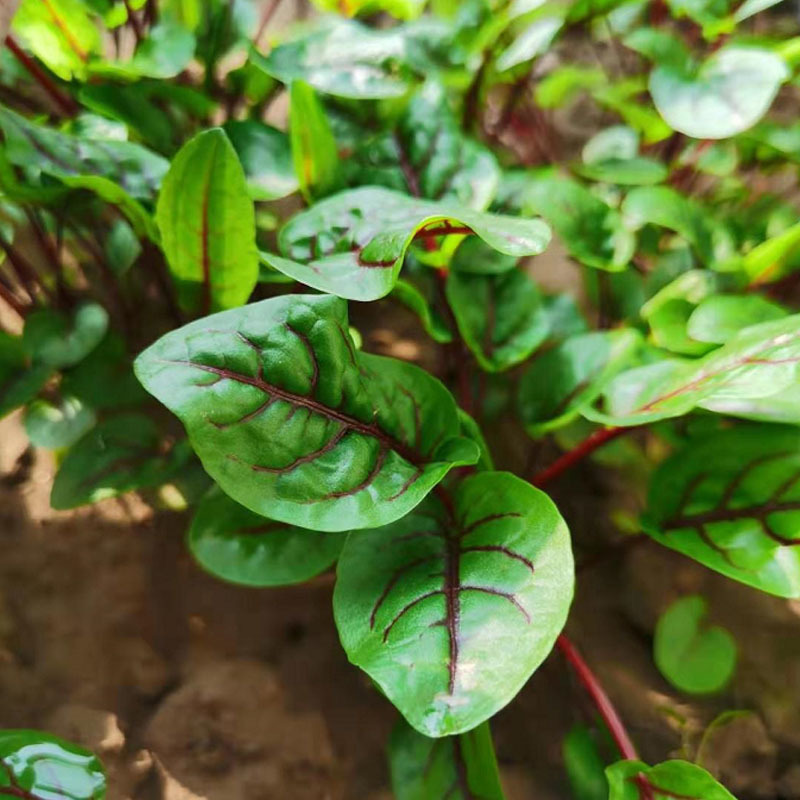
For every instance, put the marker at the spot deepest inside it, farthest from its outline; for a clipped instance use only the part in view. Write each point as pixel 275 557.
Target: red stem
pixel 12 300
pixel 578 453
pixel 600 699
pixel 64 102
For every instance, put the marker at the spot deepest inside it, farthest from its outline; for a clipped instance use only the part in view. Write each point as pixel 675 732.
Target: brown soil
pixel 190 688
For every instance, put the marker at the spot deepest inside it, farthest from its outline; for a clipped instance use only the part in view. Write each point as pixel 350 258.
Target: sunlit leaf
pixel 634 780
pixel 718 318
pixel 56 426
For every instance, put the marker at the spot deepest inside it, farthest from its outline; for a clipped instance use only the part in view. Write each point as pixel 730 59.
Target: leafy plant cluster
pixel 147 208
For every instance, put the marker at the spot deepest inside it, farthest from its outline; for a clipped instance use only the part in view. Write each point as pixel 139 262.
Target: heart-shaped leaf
pixel 725 95
pixel 500 317
pixel 450 768
pixel 427 155
pixel 450 609
pixel 39 766
pixel 207 225
pixel 56 426
pixel 758 362
pixel 54 340
pixel 266 156
pixel 732 502
pixel 117 456
pixel 233 543
pixel 634 780
pixel 19 382
pixel 562 381
pixel 353 244
pixel 296 425
pixel 694 657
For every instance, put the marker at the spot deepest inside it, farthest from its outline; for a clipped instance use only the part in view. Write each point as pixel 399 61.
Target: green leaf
pixel 767 260
pixel 585 769
pixel 353 244
pixel 692 656
pixel 296 425
pixel 122 247
pixel 266 156
pixel 562 381
pixel 236 545
pixel 39 765
pixel 19 383
pixel 452 608
pixel 60 33
pixel 500 317
pixel 628 780
pixel 314 151
pixel 56 426
pixel 427 155
pixel 411 297
pixel 451 768
pixel 722 316
pixel 207 225
pixel 533 41
pixel 591 231
pixel 54 340
pixel 757 362
pixel 615 143
pixel 726 95
pixel 117 456
pixel 730 502
pixel 402 9
pixel 636 171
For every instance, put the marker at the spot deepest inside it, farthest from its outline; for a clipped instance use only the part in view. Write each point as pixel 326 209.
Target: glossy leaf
pixel 54 340
pixel 314 151
pixel 296 425
pixel 38 765
pixel 726 95
pixel 730 501
pixel 634 780
pixel 19 382
pixel 427 155
pixel 450 609
pixel 266 156
pixel 353 244
pixel 207 225
pixel 692 655
pixel 500 317
pixel 56 426
pixel 450 768
pixel 584 766
pixel 758 362
pixel 721 317
pixel 562 381
pixel 236 545
pixel 117 456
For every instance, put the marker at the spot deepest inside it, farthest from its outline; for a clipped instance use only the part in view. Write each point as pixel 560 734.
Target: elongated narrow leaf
pixel 732 502
pixel 38 765
pixel 353 244
pixel 296 425
pixel 314 151
pixel 562 381
pixel 450 609
pixel 500 317
pixel 207 225
pixel 758 362
pixel 266 157
pixel 428 155
pixel 460 767
pixel 233 543
pixel 52 339
pixel 634 780
pixel 119 455
pixel 637 171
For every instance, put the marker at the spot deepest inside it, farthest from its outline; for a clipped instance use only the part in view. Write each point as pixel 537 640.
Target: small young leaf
pixel 562 381
pixel 500 317
pixel 732 502
pixel 55 341
pixel 266 156
pixel 296 425
pixel 117 456
pixel 234 544
pixel 634 780
pixel 719 318
pixel 451 768
pixel 450 609
pixel 585 769
pixel 353 244
pixel 693 657
pixel 207 225
pixel 314 151
pixel 54 427
pixel 38 765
